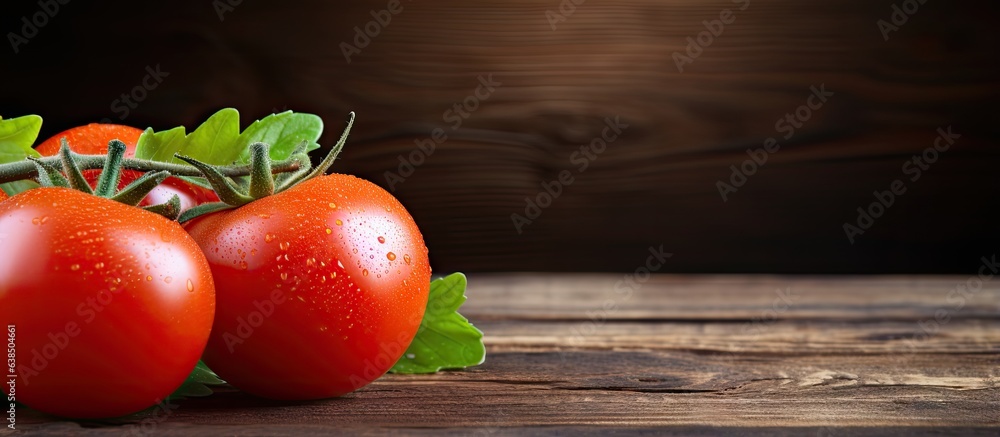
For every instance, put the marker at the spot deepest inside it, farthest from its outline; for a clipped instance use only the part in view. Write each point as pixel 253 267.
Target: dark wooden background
pixel 655 185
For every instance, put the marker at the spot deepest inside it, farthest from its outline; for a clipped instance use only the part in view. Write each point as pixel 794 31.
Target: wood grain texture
pixel 610 58
pixel 723 368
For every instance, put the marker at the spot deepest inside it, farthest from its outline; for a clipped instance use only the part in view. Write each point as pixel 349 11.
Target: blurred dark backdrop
pixel 558 71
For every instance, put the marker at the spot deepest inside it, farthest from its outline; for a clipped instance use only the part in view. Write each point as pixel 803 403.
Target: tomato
pixel 110 306
pixel 3 196
pixel 92 139
pixel 320 288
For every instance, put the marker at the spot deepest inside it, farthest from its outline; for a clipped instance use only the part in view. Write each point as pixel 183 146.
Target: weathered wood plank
pixel 707 368
pixel 635 389
pixel 896 340
pixel 730 297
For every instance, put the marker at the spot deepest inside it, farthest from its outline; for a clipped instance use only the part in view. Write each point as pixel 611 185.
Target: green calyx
pixel 238 191
pixel 107 183
pixel 268 157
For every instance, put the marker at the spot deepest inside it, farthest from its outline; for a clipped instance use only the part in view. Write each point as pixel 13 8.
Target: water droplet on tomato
pixel 339 222
pixel 340 264
pixel 99 266
pixel 284 245
pixel 381 239
pixel 243 265
pixel 168 279
pixel 329 231
pixel 284 276
pixel 74 267
pixel 268 238
pixel 149 278
pixel 406 258
pixel 333 205
pixel 190 286
pixel 391 256
pixel 364 272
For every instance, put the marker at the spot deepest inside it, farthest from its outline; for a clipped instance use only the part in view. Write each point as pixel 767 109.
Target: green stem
pixel 334 151
pixel 16 171
pixel 107 183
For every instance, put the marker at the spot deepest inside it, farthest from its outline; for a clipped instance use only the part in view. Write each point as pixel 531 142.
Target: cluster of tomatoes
pixel 309 293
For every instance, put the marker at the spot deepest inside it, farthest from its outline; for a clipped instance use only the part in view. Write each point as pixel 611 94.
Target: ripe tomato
pixel 93 139
pixel 320 288
pixel 109 306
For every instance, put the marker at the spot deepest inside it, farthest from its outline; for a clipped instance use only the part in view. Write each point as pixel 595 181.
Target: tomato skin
pixel 112 305
pixel 3 196
pixel 309 308
pixel 92 139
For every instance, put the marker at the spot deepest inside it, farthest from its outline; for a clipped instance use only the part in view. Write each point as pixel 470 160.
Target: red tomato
pixel 110 306
pixel 92 139
pixel 320 288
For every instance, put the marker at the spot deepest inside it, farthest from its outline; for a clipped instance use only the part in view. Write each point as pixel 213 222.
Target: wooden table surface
pixel 701 355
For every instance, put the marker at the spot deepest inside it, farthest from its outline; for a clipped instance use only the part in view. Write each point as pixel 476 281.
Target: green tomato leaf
pixel 216 136
pixel 16 137
pixel 218 140
pixel 445 339
pixel 12 188
pixel 213 142
pixel 283 132
pixel 197 383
